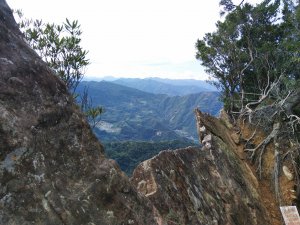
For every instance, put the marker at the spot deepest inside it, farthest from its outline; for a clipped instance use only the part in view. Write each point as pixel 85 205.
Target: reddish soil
pixel 265 186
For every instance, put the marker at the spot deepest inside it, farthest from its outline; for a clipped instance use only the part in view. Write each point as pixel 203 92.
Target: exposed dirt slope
pixel 286 193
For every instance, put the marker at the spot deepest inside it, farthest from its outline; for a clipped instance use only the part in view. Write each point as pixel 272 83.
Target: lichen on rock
pixel 200 186
pixel 52 168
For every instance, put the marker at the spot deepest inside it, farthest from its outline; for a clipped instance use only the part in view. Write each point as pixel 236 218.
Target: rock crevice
pixel 204 185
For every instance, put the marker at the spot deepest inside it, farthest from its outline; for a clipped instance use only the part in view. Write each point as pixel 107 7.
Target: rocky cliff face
pixel 52 168
pixel 208 185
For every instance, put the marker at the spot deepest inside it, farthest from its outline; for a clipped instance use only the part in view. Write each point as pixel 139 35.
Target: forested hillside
pixel 129 154
pixel 131 114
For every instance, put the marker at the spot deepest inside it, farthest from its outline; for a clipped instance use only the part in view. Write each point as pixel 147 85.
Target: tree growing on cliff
pixel 241 55
pixel 253 57
pixel 59 46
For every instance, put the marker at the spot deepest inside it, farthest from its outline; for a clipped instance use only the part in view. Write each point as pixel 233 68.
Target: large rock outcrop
pixel 208 185
pixel 52 168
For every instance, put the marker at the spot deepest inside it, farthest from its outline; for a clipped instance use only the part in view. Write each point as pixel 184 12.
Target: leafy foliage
pixel 92 113
pixel 136 115
pixel 59 46
pixel 248 51
pixel 130 153
pixel 253 57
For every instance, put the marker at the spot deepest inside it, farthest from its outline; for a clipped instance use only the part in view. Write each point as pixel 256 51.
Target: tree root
pixel 296 168
pixel 251 137
pixel 277 167
pixel 262 146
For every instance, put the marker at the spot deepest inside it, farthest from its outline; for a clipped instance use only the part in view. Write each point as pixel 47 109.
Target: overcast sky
pixel 134 38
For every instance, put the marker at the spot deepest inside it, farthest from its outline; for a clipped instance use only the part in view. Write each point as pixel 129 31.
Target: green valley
pixel 135 115
pixel 129 154
pixel 137 125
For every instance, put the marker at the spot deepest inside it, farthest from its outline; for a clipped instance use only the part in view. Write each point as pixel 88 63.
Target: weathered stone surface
pixel 206 139
pixel 52 168
pixel 193 186
pixel 225 119
pixel 287 173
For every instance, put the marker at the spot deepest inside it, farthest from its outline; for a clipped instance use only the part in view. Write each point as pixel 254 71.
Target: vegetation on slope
pixel 129 154
pixel 59 46
pixel 254 57
pixel 132 114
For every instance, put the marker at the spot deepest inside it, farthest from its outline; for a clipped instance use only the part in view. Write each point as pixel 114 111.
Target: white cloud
pixel 123 36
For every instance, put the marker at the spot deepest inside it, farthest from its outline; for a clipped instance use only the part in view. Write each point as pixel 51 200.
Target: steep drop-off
pixel 132 114
pixel 208 185
pixel 52 168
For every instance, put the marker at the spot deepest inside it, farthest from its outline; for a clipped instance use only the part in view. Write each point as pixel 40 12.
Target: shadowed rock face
pixel 52 168
pixel 202 186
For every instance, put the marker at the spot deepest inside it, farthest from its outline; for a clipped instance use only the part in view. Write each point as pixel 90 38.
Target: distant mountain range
pixel 157 85
pixel 166 86
pixel 132 114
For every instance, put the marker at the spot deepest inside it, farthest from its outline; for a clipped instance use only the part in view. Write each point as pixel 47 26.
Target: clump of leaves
pixel 253 58
pixel 59 46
